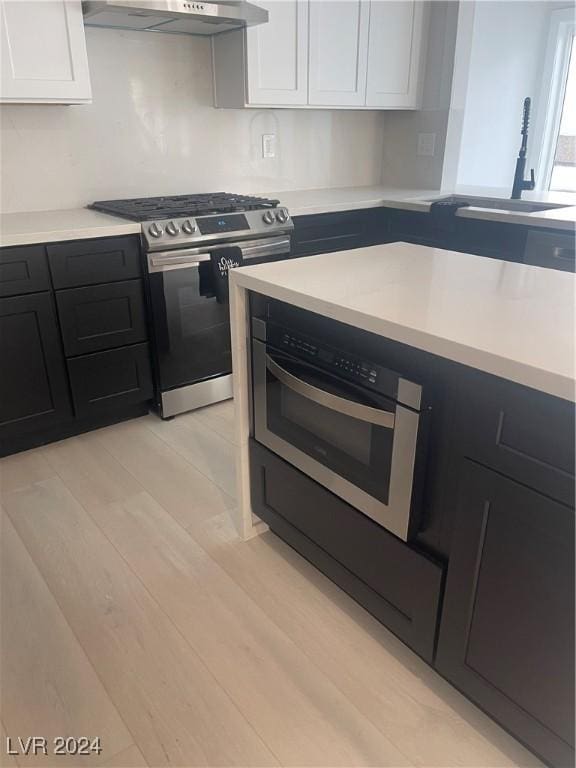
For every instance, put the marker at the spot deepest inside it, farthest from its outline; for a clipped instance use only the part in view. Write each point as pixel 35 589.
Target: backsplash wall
pixel 152 129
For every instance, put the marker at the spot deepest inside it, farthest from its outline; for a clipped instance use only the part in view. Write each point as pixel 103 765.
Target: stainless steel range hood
pixel 183 17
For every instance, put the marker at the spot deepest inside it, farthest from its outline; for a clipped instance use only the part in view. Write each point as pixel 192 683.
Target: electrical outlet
pixel 426 144
pixel 268 145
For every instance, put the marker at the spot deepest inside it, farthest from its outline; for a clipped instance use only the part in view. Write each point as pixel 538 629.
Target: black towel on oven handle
pixel 223 259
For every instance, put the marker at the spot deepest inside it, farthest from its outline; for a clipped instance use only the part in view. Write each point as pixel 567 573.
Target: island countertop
pixel 510 320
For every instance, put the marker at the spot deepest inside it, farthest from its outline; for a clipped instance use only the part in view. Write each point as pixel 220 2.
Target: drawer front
pixel 326 232
pixel 105 381
pixel 555 250
pixel 101 316
pixel 89 262
pixel 524 434
pixel 397 584
pixel 23 270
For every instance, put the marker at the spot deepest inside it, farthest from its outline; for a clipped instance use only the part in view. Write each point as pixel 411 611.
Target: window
pixel 557 165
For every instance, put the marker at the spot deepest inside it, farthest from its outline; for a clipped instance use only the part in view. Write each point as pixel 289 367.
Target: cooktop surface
pixel 149 208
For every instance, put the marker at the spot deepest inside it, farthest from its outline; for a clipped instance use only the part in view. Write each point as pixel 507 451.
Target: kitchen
pixel 399 342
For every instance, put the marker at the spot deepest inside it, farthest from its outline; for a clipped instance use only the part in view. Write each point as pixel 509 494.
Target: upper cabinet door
pixel 277 55
pixel 395 54
pixel 338 52
pixel 43 52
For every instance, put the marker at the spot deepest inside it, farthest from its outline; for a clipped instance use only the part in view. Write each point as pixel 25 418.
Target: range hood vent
pixel 183 17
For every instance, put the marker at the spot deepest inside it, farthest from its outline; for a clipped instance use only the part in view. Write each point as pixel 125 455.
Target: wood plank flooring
pixel 130 610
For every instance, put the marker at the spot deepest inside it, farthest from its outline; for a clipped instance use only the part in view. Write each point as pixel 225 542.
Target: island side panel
pixel 247 523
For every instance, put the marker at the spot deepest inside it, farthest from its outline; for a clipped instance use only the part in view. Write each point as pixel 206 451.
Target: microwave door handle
pixel 328 400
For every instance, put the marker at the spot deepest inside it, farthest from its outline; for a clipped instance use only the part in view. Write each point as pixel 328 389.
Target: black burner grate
pixel 148 208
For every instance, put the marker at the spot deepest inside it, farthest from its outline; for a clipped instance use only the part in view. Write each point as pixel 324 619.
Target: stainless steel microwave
pixel 350 424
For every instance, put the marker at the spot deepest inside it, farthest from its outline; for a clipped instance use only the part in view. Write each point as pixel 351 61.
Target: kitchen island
pixel 482 588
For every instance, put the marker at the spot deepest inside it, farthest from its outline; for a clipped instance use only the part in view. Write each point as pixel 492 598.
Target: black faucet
pixel 520 183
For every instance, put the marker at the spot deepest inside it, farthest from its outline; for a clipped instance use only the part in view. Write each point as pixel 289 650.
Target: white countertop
pixel 81 223
pixel 510 320
pixel 309 201
pixel 66 224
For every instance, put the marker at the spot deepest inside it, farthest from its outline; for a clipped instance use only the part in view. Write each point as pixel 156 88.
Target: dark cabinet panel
pixel 524 434
pixel 109 380
pixel 413 227
pixel 552 249
pixel 101 316
pixel 23 270
pixel 397 584
pixel 325 232
pixel 507 628
pixel 33 386
pixel 488 238
pixel 88 262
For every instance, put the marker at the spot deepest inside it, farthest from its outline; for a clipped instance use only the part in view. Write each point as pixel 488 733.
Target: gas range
pixel 183 220
pixel 190 243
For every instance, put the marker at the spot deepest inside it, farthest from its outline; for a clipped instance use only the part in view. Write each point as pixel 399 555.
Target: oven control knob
pixel 155 230
pixel 282 215
pixel 172 228
pixel 189 227
pixel 269 217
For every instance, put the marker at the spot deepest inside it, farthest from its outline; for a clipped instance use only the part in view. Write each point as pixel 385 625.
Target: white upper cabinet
pixel 278 55
pixel 43 52
pixel 396 52
pixel 338 52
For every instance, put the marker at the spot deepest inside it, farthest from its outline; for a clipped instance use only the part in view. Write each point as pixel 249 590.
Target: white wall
pixel 502 50
pixel 402 166
pixel 152 130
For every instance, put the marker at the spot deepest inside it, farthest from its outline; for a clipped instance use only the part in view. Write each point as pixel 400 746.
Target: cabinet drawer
pixel 325 232
pixel 554 250
pixel 88 262
pixel 522 433
pixel 104 381
pixel 23 270
pixel 101 316
pixel 398 585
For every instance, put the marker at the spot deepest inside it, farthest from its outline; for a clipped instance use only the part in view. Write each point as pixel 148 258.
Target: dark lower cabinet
pixel 23 269
pixel 488 238
pixel 338 231
pixel 399 585
pixel 90 262
pixel 33 383
pixel 412 227
pixel 111 380
pixel 95 319
pixel 507 627
pixel 100 317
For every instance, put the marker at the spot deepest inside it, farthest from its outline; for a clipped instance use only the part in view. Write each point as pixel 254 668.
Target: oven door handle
pixel 328 400
pixel 164 262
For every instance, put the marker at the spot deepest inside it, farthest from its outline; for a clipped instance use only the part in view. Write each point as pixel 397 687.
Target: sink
pixel 502 204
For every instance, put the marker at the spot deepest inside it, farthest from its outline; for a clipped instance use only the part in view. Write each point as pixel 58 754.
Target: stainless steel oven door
pixel 359 445
pixel 191 325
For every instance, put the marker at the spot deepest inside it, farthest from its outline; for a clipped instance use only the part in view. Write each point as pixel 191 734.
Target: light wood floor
pixel 131 611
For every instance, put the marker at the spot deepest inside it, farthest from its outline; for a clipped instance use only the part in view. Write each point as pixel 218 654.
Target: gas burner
pixel 154 208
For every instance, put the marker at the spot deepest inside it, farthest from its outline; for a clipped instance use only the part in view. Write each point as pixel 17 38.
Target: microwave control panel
pixel 352 367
